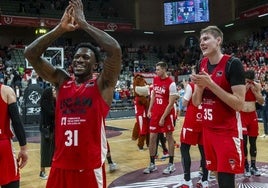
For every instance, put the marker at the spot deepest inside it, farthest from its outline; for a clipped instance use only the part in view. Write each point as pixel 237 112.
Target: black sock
pixel 171 159
pixel 109 159
pixel 152 158
pixel 253 163
pixel 246 163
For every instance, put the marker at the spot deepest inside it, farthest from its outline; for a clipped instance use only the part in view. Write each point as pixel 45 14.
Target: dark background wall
pixel 147 15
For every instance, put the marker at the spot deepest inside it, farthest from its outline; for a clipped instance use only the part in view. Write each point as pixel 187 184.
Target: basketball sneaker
pixel 43 175
pixel 247 172
pixel 202 184
pixel 254 171
pixel 112 167
pixel 184 184
pixel 165 155
pixel 169 169
pixel 150 168
pixel 211 175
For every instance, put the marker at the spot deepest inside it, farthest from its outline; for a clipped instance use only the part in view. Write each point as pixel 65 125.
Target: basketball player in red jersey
pixel 220 87
pixel 9 164
pixel 83 101
pixel 191 134
pixel 163 97
pixel 250 122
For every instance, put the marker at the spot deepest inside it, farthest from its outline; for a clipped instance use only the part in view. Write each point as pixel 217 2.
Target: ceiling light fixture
pixel 229 25
pixel 109 30
pixel 189 31
pixel 148 32
pixel 262 15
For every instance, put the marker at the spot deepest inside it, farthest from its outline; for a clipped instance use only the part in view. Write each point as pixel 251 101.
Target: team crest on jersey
pixel 219 73
pixel 90 84
pixel 232 163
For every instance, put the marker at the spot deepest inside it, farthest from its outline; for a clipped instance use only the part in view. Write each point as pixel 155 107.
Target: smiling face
pixel 160 71
pixel 83 62
pixel 210 40
pixel 209 44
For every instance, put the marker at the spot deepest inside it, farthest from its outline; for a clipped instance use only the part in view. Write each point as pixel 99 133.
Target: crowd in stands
pixel 104 8
pixel 253 52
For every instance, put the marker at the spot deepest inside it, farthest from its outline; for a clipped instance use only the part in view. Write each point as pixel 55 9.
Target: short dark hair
pixel 91 47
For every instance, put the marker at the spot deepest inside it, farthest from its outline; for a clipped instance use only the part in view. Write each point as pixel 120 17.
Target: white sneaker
pixel 254 171
pixel 150 168
pixel 112 167
pixel 169 169
pixel 263 136
pixel 43 175
pixel 247 172
pixel 165 154
pixel 202 184
pixel 184 184
pixel 211 175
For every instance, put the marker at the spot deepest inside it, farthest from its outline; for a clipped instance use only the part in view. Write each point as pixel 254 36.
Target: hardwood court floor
pixel 124 152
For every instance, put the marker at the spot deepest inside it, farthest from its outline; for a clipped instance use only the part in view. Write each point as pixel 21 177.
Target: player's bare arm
pixel 112 63
pixel 235 99
pixel 171 100
pixel 256 90
pixel 34 51
pixel 152 98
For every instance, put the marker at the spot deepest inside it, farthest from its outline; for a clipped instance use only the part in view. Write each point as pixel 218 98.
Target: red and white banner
pixel 50 23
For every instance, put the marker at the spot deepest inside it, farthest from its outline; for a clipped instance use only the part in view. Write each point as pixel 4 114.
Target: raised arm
pixel 34 51
pixel 112 62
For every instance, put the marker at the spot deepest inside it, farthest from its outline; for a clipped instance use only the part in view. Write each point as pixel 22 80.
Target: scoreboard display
pixel 187 11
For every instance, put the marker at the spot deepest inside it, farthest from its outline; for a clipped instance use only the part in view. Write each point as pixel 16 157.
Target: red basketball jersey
pixel 8 161
pixel 5 129
pixel 161 91
pixel 216 114
pixel 80 140
pixel 193 115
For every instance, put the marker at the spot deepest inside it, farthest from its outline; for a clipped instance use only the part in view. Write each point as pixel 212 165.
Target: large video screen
pixel 186 11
